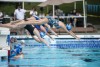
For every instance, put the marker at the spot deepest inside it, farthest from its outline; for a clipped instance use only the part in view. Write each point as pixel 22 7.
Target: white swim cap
pixel 22 41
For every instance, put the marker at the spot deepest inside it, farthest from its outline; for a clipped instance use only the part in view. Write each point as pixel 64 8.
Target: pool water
pixel 62 53
pixel 4 63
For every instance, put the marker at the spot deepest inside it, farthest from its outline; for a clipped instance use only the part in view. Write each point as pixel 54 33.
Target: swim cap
pixel 22 41
pixel 69 27
pixel 42 34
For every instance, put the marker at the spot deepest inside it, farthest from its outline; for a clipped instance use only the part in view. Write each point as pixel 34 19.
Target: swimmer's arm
pixel 30 22
pixel 51 29
pixel 44 30
pixel 19 56
pixel 72 34
pixel 49 36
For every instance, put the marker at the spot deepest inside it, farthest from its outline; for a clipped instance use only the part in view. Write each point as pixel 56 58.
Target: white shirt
pixel 33 13
pixel 1 14
pixel 19 14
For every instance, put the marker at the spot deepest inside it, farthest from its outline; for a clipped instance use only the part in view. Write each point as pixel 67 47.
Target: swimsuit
pixel 30 29
pixel 53 21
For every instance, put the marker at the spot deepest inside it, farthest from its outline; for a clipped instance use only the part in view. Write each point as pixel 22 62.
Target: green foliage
pixel 93 2
pixel 8 8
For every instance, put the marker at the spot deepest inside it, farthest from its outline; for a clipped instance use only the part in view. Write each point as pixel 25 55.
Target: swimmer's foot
pixel 48 45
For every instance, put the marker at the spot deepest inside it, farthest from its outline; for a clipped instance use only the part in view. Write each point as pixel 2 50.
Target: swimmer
pixel 16 24
pixel 69 28
pixel 41 28
pixel 58 24
pixel 11 24
pixel 33 31
pixel 51 21
pixel 43 31
pixel 46 27
pixel 14 55
pixel 32 20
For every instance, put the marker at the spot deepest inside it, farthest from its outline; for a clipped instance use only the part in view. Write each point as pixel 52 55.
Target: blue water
pixel 63 53
pixel 3 64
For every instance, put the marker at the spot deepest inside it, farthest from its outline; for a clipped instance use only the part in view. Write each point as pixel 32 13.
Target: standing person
pixel 74 19
pixel 19 13
pixel 33 12
pixel 1 17
pixel 1 14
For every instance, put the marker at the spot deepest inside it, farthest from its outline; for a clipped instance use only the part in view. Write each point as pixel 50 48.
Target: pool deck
pixel 96 33
pixel 62 31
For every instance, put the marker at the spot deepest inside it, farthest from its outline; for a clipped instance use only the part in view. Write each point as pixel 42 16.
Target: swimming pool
pixel 64 52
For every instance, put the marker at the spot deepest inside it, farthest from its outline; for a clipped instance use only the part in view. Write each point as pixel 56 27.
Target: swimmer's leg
pixel 37 39
pixel 36 32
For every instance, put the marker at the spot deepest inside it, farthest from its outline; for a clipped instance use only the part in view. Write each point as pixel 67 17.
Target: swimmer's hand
pixel 56 35
pixel 52 39
pixel 78 38
pixel 48 46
